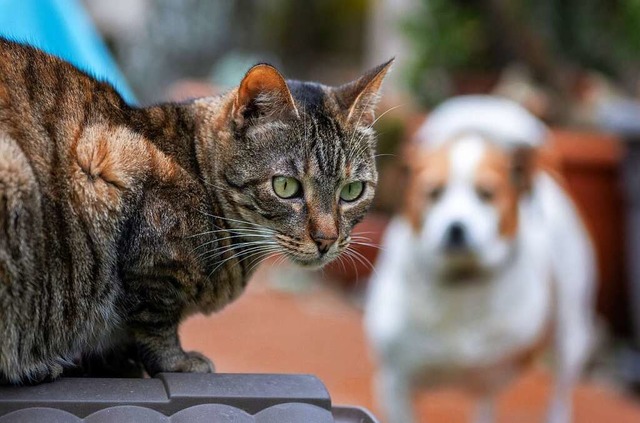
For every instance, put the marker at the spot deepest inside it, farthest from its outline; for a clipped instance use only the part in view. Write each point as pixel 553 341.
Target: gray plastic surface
pixel 178 398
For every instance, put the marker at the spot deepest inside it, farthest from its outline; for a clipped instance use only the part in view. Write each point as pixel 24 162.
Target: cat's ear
pixel 358 99
pixel 262 94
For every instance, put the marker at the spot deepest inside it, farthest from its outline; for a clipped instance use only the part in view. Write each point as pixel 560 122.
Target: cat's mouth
pixel 312 263
pixel 307 255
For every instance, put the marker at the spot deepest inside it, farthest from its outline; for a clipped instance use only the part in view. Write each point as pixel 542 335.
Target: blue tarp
pixel 62 28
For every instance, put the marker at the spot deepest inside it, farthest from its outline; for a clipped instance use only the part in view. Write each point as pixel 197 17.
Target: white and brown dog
pixel 489 263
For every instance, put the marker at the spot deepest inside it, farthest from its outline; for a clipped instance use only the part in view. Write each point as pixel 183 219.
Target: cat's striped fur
pixel 117 222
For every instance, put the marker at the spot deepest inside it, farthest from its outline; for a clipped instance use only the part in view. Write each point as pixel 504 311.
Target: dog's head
pixel 463 203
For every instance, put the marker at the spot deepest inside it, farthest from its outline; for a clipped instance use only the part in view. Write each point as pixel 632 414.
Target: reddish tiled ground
pixel 318 332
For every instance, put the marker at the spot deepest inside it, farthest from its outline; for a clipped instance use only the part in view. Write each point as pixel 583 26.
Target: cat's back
pixel 45 100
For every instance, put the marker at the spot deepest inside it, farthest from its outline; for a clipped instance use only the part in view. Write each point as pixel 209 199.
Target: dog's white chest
pixel 420 324
pixel 474 326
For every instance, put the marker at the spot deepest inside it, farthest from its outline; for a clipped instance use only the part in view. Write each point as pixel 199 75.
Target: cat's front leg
pixel 160 351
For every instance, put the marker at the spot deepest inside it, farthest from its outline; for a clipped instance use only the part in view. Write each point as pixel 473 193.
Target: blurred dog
pixel 488 264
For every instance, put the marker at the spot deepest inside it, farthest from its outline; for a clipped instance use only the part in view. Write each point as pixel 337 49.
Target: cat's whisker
pixel 347 254
pixel 368 244
pixel 234 236
pixel 281 257
pixel 365 146
pixel 385 112
pixel 224 249
pixel 250 249
pixel 244 222
pixel 238 231
pixel 239 256
pixel 340 260
pixel 254 257
pixel 262 260
pixel 360 237
pixel 365 261
pixel 362 241
pixel 356 265
pixel 247 237
pixel 362 147
pixel 255 262
pixel 216 186
pixel 262 255
pixel 208 255
pixel 253 236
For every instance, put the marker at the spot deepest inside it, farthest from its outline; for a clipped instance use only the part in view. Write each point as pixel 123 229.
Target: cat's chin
pixel 314 264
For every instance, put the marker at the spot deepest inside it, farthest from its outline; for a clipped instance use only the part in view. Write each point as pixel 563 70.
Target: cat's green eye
pixel 286 186
pixel 351 191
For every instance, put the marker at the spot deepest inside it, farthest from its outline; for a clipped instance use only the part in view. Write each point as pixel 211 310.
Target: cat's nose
pixel 324 242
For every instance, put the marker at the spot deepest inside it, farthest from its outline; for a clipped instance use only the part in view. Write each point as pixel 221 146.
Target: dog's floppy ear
pixel 523 164
pixel 411 156
pixel 413 163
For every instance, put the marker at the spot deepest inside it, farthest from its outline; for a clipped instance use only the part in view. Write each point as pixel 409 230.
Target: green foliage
pixel 444 36
pixel 626 25
pixel 448 36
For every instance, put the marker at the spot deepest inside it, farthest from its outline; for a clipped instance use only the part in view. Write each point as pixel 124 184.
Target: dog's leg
pixel 394 394
pixel 570 359
pixel 560 409
pixel 572 345
pixel 485 411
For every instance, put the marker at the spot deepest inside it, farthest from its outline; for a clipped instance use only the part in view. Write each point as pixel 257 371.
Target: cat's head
pixel 298 163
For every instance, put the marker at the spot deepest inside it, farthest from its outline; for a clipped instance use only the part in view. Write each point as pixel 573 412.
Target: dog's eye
pixel 435 193
pixel 485 194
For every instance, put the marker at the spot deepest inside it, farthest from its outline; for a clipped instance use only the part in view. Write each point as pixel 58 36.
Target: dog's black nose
pixel 456 236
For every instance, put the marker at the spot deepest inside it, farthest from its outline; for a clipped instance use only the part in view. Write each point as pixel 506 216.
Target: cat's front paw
pixel 194 362
pixel 43 374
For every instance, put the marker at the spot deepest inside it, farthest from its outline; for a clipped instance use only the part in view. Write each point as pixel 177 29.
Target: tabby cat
pixel 118 222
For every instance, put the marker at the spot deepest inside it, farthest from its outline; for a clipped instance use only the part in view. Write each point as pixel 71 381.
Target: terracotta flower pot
pixel 591 165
